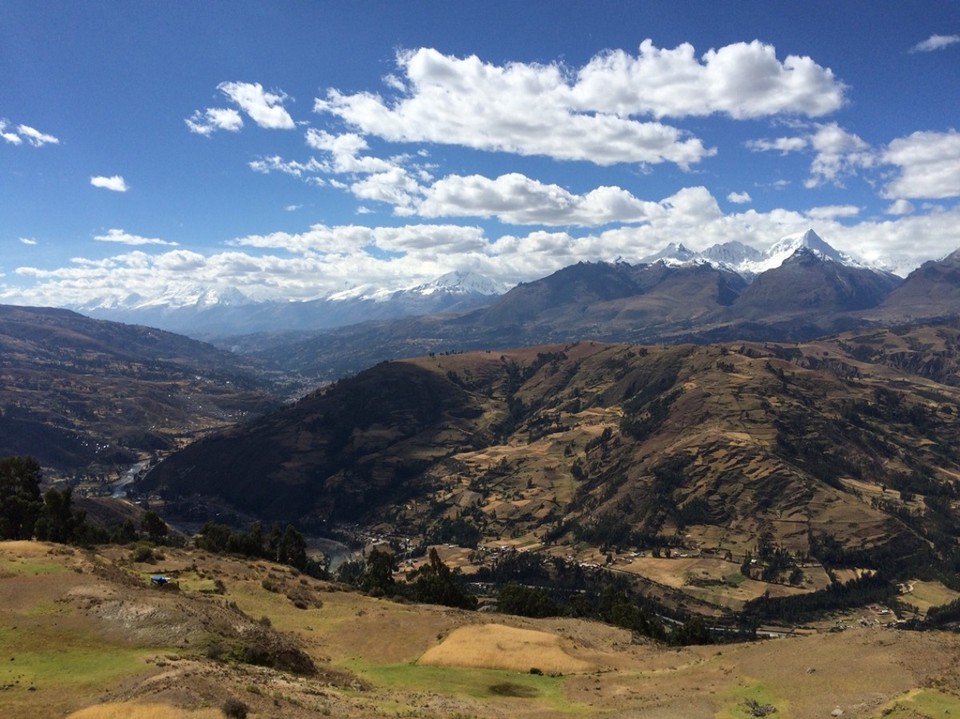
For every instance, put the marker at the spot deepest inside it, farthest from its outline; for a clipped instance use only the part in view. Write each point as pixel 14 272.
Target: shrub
pixel 143 553
pixel 234 709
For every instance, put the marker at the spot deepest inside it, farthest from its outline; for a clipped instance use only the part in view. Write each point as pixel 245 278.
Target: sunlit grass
pixel 922 703
pixel 133 710
pixel 483 684
pixel 743 696
pixel 17 565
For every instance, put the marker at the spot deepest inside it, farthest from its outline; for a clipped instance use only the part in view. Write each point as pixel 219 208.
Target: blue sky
pixel 294 149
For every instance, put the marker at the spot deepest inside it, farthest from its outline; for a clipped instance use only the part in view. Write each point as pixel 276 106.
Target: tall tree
pixel 292 549
pixel 59 521
pixel 20 502
pixel 154 526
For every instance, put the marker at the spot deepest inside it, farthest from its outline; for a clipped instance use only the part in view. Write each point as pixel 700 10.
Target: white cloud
pixel 12 137
pixel 264 108
pixel 275 163
pixel 394 186
pixel 355 240
pixel 935 42
pixel 123 237
pixel 292 208
pixel 900 207
pixel 742 80
pixel 17 135
pixel 116 183
pixel 206 122
pixel 739 197
pixel 325 259
pixel 345 152
pixel 838 153
pixel 929 165
pixel 35 137
pixel 784 145
pixel 470 103
pixel 517 199
pixel 590 113
pixel 28 241
pixel 829 212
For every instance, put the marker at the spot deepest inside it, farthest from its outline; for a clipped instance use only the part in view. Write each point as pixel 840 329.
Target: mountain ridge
pixel 206 311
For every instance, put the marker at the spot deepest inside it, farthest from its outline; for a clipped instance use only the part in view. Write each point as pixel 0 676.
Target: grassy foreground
pixel 82 634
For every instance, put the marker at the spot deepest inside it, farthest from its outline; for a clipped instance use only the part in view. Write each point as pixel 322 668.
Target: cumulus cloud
pixel 739 197
pixel 742 80
pixel 206 122
pixel 28 241
pixel 936 42
pixel 326 259
pixel 116 183
pixel 929 164
pixel 468 102
pixel 589 113
pixel 900 207
pixel 265 108
pixel 355 240
pixel 345 153
pixel 126 238
pixel 24 133
pixel 838 154
pixel 516 199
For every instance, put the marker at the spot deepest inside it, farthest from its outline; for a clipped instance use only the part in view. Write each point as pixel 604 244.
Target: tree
pixel 154 526
pixel 378 576
pixel 292 548
pixel 59 521
pixel 434 583
pixel 525 601
pixel 20 501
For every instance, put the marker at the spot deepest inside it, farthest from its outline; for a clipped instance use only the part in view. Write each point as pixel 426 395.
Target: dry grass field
pixel 83 635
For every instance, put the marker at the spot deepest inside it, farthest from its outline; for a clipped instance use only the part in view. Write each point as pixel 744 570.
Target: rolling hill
pixel 838 452
pixel 82 395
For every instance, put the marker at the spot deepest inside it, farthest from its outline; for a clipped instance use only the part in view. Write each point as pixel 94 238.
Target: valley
pixel 633 472
pixel 708 476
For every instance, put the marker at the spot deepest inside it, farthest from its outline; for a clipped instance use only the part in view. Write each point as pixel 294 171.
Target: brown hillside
pixel 825 451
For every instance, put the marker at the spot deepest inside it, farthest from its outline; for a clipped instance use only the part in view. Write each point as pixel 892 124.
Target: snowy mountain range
pixel 749 262
pixel 205 312
pixel 200 311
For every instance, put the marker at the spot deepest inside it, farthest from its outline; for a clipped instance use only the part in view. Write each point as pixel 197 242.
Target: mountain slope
pixel 933 289
pixel 85 394
pixel 809 281
pixel 615 445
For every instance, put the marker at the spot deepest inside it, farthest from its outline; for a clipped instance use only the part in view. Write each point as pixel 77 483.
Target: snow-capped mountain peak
pixel 674 253
pixel 748 261
pixel 463 282
pixel 197 297
pixel 731 254
pixel 452 283
pixel 810 240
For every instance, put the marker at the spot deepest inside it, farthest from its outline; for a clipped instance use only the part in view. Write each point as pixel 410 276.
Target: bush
pixel 234 709
pixel 143 553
